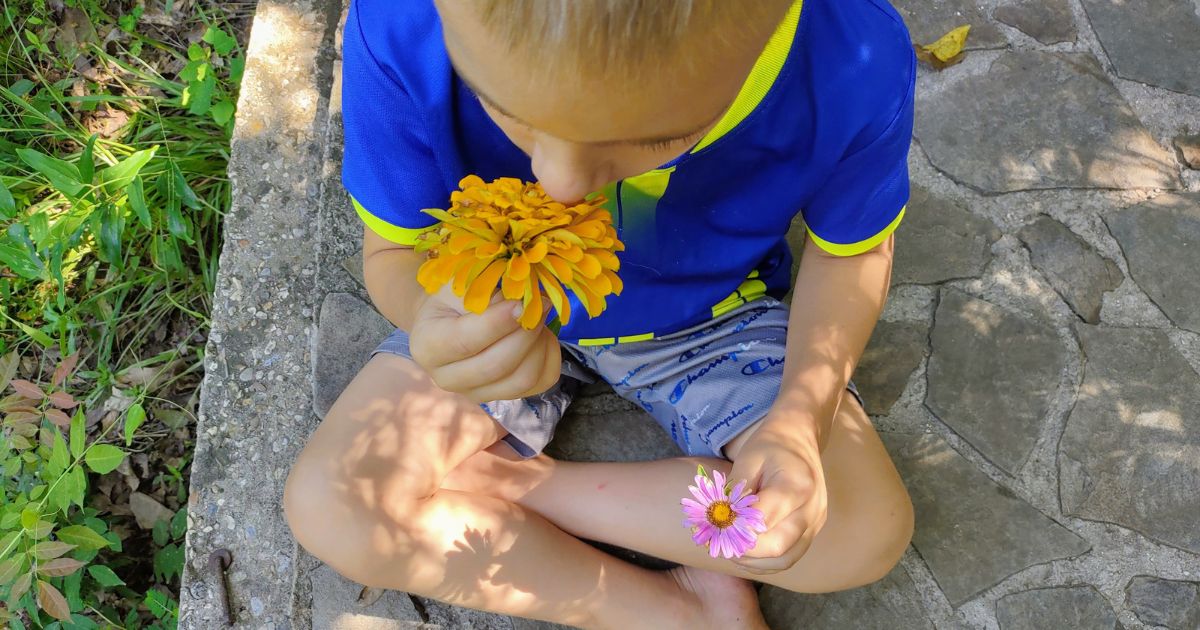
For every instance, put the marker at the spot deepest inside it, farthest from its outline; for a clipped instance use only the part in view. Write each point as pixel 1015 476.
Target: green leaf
pixel 221 41
pixel 29 516
pixel 9 542
pixel 159 604
pixel 168 561
pixel 8 205
pixel 222 111
pixel 200 92
pixel 137 200
pixel 112 227
pixel 103 458
pixel 63 176
pixel 196 52
pixel 9 569
pixel 133 420
pixel 78 434
pixel 159 533
pixel 60 456
pixel 20 260
pixel 179 523
pixel 87 164
pixel 82 536
pixel 104 576
pixel 119 175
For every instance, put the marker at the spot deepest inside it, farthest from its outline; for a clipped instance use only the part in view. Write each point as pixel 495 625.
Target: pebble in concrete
pixel 1173 604
pixel 991 376
pixel 1072 266
pixel 962 241
pixel 348 331
pixel 971 532
pixel 1060 607
pixel 340 606
pixel 1048 21
pixel 1128 454
pixel 927 20
pixel 1159 239
pixel 1156 43
pixel 893 353
pixel 1037 120
pixel 889 604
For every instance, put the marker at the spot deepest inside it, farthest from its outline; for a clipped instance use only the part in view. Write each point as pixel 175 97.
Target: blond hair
pixel 622 35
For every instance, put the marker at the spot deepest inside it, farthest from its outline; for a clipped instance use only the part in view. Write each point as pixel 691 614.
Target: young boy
pixel 708 125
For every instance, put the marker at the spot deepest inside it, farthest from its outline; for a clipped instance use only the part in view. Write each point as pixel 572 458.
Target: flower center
pixel 720 514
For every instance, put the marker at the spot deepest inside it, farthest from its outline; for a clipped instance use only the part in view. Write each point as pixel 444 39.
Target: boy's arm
pixel 390 273
pixel 838 300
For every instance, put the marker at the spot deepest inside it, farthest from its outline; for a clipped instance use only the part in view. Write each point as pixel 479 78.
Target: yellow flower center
pixel 720 514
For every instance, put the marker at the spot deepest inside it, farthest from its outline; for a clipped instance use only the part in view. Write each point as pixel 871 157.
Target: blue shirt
pixel 821 127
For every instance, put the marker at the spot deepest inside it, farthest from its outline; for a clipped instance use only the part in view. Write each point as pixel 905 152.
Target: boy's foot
pixel 720 601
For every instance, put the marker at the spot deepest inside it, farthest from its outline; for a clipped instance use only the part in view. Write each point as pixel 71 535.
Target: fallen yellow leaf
pixel 949 45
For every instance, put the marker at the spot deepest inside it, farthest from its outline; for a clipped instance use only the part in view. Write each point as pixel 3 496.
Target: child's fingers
pixel 444 339
pixel 528 376
pixel 493 365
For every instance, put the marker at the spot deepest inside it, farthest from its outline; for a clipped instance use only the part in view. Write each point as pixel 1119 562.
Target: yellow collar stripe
pixel 762 77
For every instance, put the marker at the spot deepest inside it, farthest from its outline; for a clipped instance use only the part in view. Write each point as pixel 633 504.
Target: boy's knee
pixel 892 536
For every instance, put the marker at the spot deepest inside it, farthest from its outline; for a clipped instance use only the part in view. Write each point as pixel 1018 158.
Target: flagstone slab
pixel 1130 453
pixel 960 242
pixel 892 603
pixel 1159 239
pixel 347 331
pixel 928 20
pixel 1151 41
pixel 1173 604
pixel 1059 607
pixel 1039 120
pixel 971 532
pixel 1187 146
pixel 342 604
pixel 893 353
pixel 1048 21
pixel 1072 266
pixel 991 375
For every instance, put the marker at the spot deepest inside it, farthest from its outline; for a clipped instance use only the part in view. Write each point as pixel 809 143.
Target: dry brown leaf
pixel 59 567
pixel 27 389
pixel 8 368
pixel 52 601
pixel 58 418
pixel 64 370
pixel 63 400
pixel 147 511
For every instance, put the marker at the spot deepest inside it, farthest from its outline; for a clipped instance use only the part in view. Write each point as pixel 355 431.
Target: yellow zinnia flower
pixel 512 233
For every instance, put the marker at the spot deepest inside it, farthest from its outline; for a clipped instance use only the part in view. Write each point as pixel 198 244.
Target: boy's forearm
pixel 390 273
pixel 836 302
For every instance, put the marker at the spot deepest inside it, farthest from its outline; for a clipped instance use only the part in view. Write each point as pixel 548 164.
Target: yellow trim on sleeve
pixel 854 249
pixel 600 341
pixel 633 338
pixel 393 233
pixel 762 76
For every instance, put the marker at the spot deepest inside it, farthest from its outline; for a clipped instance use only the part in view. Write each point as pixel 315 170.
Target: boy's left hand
pixel 786 470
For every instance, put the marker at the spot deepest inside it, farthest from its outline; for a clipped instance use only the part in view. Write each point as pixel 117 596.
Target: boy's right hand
pixel 484 357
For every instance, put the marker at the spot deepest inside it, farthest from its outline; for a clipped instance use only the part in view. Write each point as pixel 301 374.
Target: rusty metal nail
pixel 218 563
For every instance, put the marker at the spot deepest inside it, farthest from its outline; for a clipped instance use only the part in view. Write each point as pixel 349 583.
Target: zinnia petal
pixel 479 294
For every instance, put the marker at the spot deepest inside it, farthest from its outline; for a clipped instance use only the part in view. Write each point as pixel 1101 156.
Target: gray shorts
pixel 703 385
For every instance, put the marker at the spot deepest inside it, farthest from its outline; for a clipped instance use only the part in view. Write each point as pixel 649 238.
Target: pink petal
pixel 719 481
pixel 686 502
pixel 736 495
pixel 714 546
pixel 711 493
pixel 746 501
pixel 696 513
pixel 700 494
pixel 704 534
pixel 753 514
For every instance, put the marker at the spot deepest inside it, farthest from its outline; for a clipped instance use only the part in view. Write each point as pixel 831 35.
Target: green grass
pixel 114 142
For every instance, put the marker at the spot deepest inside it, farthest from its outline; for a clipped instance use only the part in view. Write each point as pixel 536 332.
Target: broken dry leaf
pixel 946 51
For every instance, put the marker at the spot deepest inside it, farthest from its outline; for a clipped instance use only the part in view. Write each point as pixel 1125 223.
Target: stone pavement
pixel 1034 374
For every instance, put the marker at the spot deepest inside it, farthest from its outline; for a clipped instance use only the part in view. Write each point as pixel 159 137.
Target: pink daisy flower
pixel 722 520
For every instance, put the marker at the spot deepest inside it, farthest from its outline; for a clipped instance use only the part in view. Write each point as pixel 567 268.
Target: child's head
pixel 597 90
